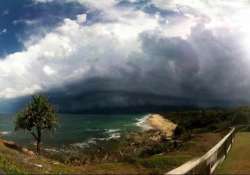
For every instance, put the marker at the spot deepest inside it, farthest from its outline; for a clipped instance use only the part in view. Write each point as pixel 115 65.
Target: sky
pixel 88 53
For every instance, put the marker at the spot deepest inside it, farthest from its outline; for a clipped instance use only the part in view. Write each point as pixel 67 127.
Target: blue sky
pixel 194 50
pixel 19 18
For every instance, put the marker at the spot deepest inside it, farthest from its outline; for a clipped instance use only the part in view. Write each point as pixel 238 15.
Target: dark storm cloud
pixel 204 69
pixel 208 65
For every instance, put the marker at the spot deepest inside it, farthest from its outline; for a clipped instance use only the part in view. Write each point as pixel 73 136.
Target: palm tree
pixel 38 115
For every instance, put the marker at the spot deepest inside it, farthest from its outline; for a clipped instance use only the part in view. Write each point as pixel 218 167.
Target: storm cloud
pixel 204 69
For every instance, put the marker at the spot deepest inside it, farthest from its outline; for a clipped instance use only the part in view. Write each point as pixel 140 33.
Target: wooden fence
pixel 207 163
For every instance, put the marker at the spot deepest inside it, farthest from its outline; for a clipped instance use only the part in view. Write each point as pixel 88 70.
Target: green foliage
pixel 38 115
pixel 156 149
pixel 206 120
pixel 9 168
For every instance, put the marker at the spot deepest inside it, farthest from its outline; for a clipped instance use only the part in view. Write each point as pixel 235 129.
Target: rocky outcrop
pixel 19 148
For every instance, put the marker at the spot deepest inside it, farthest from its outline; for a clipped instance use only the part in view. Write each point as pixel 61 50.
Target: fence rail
pixel 208 162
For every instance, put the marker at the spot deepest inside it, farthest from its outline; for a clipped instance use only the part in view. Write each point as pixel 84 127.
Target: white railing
pixel 208 162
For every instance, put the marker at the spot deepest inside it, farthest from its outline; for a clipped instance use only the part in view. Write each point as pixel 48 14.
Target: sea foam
pixel 142 122
pixel 112 134
pixel 5 132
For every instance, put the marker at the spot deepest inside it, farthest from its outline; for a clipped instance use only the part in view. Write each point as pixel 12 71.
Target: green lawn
pixel 238 160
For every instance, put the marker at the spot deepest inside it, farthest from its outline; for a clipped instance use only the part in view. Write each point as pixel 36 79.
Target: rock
pixel 14 146
pixel 56 163
pixel 38 165
pixel 30 153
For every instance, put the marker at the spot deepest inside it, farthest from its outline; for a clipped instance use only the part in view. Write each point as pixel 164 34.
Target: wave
pixel 109 131
pixel 142 122
pixel 52 150
pixel 112 134
pixel 87 143
pixel 5 132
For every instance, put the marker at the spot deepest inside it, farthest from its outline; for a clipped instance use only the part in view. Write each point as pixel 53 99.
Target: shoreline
pixel 157 122
pixel 144 123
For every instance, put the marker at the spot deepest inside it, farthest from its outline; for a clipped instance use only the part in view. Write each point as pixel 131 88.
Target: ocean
pixel 77 130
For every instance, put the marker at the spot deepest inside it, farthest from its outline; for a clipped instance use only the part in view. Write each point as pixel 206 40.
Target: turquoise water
pixel 76 130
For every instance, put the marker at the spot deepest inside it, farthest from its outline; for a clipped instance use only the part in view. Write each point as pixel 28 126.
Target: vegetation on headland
pixel 146 152
pixel 210 120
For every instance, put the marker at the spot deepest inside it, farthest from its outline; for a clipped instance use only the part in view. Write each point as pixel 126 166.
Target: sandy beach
pixel 158 122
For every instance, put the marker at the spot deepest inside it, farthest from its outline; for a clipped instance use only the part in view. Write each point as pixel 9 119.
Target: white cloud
pixel 11 92
pixel 48 70
pixel 70 52
pixel 3 31
pixel 81 18
pixel 74 50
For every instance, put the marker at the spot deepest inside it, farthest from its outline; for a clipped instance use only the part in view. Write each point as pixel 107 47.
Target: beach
pixel 158 122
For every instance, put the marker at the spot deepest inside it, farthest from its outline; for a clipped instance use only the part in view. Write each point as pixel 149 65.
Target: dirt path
pixel 238 160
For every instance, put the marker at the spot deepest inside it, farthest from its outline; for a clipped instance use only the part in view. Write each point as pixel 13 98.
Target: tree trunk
pixel 38 147
pixel 38 143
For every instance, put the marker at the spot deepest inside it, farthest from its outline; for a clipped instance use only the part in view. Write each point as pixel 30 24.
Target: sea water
pixel 78 130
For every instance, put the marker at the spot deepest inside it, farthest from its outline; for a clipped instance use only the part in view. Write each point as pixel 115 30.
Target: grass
pixel 163 163
pixel 121 168
pixel 197 146
pixel 9 167
pixel 15 162
pixel 238 160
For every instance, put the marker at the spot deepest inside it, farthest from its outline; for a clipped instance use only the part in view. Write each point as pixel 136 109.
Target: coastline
pixel 157 122
pixel 150 142
pixel 143 123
